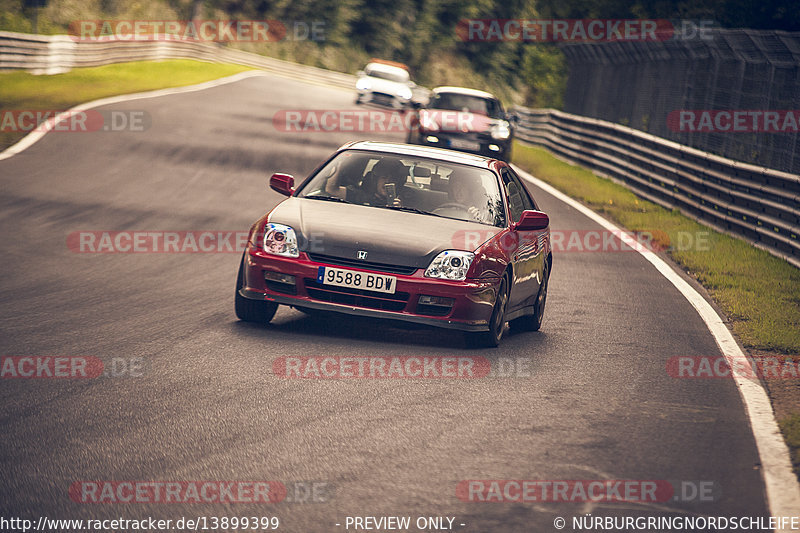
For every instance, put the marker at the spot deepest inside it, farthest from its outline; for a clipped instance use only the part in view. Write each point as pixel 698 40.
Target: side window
pixel 515 202
pixel 527 201
pixel 496 109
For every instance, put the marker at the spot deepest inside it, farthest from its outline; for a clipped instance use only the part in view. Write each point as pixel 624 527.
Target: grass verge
pixel 759 293
pixel 58 92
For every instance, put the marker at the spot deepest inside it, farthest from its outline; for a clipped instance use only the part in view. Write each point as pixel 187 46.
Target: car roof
pixel 464 90
pixel 450 156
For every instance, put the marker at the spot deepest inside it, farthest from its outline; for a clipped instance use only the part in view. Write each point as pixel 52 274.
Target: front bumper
pixel 383 99
pixel 472 300
pixel 483 144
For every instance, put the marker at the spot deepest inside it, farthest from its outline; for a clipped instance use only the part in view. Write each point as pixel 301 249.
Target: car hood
pixel 389 237
pixel 385 86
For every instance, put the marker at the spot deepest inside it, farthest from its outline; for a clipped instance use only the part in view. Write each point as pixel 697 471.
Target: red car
pixel 403 232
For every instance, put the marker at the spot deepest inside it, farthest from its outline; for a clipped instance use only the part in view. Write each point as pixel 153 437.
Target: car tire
pixel 251 310
pixel 534 322
pixel 497 322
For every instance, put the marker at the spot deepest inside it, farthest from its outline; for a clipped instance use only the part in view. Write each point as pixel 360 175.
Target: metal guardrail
pixel 639 83
pixel 759 204
pixel 53 54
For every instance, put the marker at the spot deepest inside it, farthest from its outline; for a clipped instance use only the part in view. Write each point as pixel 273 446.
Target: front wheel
pixel 251 310
pixel 534 322
pixel 491 338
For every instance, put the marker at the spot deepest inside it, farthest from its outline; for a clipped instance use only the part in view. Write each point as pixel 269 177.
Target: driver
pixel 373 190
pixel 466 191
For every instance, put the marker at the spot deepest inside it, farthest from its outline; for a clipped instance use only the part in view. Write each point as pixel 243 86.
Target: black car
pixel 464 119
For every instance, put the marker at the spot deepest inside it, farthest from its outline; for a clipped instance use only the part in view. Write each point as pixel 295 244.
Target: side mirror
pixel 282 183
pixel 532 220
pixel 513 118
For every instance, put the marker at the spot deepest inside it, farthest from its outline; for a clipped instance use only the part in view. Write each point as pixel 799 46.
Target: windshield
pixel 416 184
pixel 467 104
pixel 400 76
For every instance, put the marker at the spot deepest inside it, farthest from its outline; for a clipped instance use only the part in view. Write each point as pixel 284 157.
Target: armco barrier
pixel 759 204
pixel 52 54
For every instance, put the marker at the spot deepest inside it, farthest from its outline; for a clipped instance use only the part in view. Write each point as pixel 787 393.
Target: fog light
pixel 494 147
pixel 424 299
pixel 432 139
pixel 279 277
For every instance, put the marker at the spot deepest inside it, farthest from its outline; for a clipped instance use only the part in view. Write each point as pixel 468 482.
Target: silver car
pixel 384 84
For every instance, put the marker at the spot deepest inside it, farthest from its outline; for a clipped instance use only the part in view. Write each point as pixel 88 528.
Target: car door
pixel 527 257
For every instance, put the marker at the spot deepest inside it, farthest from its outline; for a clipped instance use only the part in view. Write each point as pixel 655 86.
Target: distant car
pixel 402 232
pixel 464 119
pixel 385 83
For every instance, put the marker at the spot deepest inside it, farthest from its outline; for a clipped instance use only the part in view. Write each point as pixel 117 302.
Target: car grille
pixel 284 288
pixel 353 263
pixel 433 310
pixel 356 297
pixel 382 98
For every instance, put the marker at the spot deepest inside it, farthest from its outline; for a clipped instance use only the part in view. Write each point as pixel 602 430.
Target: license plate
pixel 356 280
pixel 464 145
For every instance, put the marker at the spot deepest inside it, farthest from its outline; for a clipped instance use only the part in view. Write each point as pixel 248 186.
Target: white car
pixel 384 84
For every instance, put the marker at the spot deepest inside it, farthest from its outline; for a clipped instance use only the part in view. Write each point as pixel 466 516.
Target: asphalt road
pixel 597 402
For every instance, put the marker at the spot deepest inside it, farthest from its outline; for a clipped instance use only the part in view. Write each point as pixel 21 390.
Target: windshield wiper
pixel 411 210
pixel 327 198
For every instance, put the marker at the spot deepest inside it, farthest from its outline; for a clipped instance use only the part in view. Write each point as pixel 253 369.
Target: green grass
pixel 24 91
pixel 758 292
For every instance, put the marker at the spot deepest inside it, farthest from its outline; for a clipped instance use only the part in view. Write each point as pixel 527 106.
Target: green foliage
pixel 420 33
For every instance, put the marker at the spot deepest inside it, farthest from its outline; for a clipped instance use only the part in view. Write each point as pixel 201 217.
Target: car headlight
pixel 501 131
pixel 280 240
pixel 404 93
pixel 450 264
pixel 363 84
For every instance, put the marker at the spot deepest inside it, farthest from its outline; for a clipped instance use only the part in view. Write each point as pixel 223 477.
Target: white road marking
pixel 783 490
